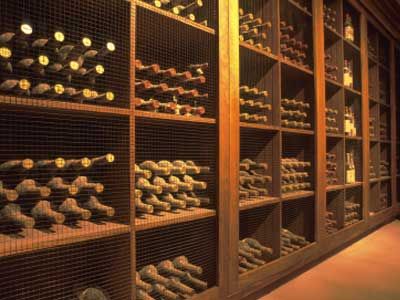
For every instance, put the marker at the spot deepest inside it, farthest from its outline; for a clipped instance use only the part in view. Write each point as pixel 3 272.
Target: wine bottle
pixel 107 49
pixel 190 201
pixel 83 185
pixel 94 205
pixel 348 28
pixel 70 207
pixel 141 294
pixel 176 285
pixel 188 9
pixel 189 169
pixel 20 37
pixel 198 68
pixel 5 56
pixel 182 263
pixel 164 292
pixel 144 185
pixel 143 207
pixel 150 274
pixel 151 104
pixel 154 168
pixel 175 203
pixel 43 211
pixel 12 213
pixel 168 268
pixel 7 194
pixel 107 159
pixel 194 282
pixel 50 164
pixel 37 65
pixel 44 89
pixel 174 169
pixel 78 164
pixel 183 186
pixel 152 69
pixel 198 185
pixel 20 87
pixel 142 173
pixel 142 284
pixel 29 187
pixel 52 42
pixel 166 187
pixel 253 243
pixel 58 184
pixel 17 165
pixel 156 203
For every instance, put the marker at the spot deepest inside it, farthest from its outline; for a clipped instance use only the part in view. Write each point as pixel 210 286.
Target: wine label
pixel 350 176
pixel 349 33
pixel 347 80
pixel 347 126
pixel 5 52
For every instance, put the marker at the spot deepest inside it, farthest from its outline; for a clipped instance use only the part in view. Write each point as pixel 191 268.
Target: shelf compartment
pixel 100 263
pixel 172 16
pixel 374 160
pixel 168 218
pixel 262 224
pixel 172 117
pixel 334 218
pixel 335 100
pixel 30 240
pixel 174 45
pixel 197 240
pixel 355 18
pixel 353 196
pixel 101 21
pixel 354 61
pixel 374 196
pixel 259 51
pixel 336 147
pixel 354 147
pixel 334 56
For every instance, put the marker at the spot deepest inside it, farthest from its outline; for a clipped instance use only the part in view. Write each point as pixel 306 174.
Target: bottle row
pixel 170 279
pixel 252 254
pixel 253 105
pixel 45 213
pixel 253 31
pixel 294 113
pixel 351 215
pixel 293 175
pixel 330 69
pixel 253 179
pixel 189 9
pixel 329 17
pixel 292 48
pixel 331 120
pixel 54 165
pixel 331 169
pixel 161 90
pixel 291 242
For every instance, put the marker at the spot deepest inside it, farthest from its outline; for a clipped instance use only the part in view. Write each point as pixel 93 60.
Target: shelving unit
pixel 215 128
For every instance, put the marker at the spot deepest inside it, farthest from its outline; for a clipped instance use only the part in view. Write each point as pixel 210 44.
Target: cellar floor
pixel 367 270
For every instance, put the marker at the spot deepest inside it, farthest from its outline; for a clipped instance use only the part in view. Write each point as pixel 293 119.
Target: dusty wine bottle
pixel 7 194
pixel 83 185
pixel 29 187
pixel 70 208
pixel 43 211
pixel 12 213
pixel 94 205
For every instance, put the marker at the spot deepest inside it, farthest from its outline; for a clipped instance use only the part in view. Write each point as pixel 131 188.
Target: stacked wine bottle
pixel 171 279
pixel 294 176
pixel 170 91
pixel 33 64
pixel 330 17
pixel 352 213
pixel 253 31
pixel 292 49
pixel 331 120
pixel 383 130
pixel 291 242
pixel 253 179
pixel 51 191
pixel 331 224
pixel 331 169
pixel 372 121
pixel 331 71
pixel 384 168
pixel 252 255
pixel 166 186
pixel 294 113
pixel 253 105
pixel 372 173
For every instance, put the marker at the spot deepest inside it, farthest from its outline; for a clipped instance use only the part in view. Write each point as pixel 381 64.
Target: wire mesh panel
pixel 353 206
pixel 259 229
pixel 334 215
pixel 298 227
pixel 98 268
pixel 73 51
pixel 176 101
pixel 374 198
pixel 64 177
pixel 195 241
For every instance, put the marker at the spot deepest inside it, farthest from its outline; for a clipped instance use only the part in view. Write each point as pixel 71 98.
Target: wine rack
pixel 240 137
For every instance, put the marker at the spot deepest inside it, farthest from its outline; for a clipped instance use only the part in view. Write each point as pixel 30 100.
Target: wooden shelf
pixel 354 138
pixel 172 117
pixel 295 66
pixel 259 126
pixel 297 131
pixel 374 100
pixel 373 180
pixel 332 32
pixel 333 82
pixel 385 105
pixel 386 141
pixel 34 239
pixel 296 195
pixel 169 218
pixel 351 44
pixel 353 91
pixel 246 204
pixel 61 105
pixel 383 178
pixel 353 185
pixel 259 51
pixel 172 16
pixel 374 140
pixel 335 135
pixel 299 8
pixel 336 187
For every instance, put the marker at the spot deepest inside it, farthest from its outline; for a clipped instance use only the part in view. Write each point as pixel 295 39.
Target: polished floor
pixel 367 270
